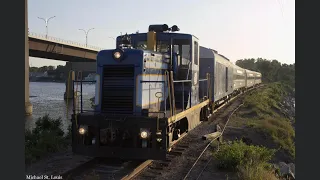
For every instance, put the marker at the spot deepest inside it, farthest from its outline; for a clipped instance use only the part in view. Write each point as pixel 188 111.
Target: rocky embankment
pixel 288 107
pixel 268 119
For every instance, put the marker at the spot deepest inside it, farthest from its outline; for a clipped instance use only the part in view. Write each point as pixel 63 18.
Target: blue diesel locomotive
pixel 150 90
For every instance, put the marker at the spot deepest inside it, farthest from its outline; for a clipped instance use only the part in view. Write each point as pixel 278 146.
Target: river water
pixel 47 98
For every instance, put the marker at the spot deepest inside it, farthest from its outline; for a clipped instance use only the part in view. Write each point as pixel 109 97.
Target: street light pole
pixel 86 32
pixel 46 20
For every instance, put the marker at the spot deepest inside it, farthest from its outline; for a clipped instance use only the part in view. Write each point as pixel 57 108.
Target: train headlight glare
pixel 144 134
pixel 116 55
pixel 83 129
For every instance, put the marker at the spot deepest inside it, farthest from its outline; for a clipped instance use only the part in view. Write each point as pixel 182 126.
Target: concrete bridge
pixel 79 57
pixel 48 47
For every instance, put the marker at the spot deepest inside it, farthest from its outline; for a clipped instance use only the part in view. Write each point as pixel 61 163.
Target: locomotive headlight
pixel 144 134
pixel 116 55
pixel 83 129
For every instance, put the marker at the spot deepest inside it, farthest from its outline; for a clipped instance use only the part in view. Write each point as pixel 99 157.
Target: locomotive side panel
pixel 151 92
pixel 195 72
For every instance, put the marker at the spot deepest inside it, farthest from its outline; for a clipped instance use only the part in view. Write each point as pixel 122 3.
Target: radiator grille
pixel 118 89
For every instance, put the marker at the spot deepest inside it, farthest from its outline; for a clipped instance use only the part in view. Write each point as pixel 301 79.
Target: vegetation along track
pixel 181 159
pixel 208 144
pixel 185 153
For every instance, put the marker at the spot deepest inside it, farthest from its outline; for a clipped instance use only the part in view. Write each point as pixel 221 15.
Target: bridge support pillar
pixel 27 104
pixel 69 85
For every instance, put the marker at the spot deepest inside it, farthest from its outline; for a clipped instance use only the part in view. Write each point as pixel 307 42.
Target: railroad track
pixel 100 168
pixel 191 145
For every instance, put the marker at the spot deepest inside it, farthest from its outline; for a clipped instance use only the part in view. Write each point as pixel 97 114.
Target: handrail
pixel 79 76
pixel 169 79
pixel 169 93
pixel 179 81
pixel 152 81
pixel 172 93
pixel 168 85
pixel 85 81
pixel 164 82
pixel 68 87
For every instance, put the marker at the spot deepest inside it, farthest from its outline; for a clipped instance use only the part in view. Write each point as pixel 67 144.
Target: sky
pixel 235 28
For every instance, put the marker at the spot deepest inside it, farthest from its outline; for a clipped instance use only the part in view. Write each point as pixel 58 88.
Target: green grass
pixel 249 161
pixel 265 101
pixel 258 172
pixel 281 132
pixel 230 156
pixel 262 111
pixel 46 137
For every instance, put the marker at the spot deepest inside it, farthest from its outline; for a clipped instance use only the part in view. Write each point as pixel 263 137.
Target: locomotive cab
pixel 133 99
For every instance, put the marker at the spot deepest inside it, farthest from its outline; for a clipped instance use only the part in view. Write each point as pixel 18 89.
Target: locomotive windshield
pixel 161 46
pixel 181 44
pixel 182 48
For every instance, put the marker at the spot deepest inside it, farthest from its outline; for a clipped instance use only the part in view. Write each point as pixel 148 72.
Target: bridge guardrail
pixel 62 41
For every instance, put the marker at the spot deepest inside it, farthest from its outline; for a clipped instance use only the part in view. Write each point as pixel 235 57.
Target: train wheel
pixel 176 134
pixel 212 108
pixel 205 113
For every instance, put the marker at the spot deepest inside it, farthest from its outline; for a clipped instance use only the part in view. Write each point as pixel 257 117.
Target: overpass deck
pixel 64 42
pixel 48 47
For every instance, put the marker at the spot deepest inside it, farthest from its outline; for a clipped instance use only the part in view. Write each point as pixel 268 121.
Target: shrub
pixel 281 132
pixel 250 162
pixel 238 153
pixel 47 137
pixel 249 172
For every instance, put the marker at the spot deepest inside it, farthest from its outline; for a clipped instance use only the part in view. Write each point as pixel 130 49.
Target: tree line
pixel 54 73
pixel 271 70
pixel 43 69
